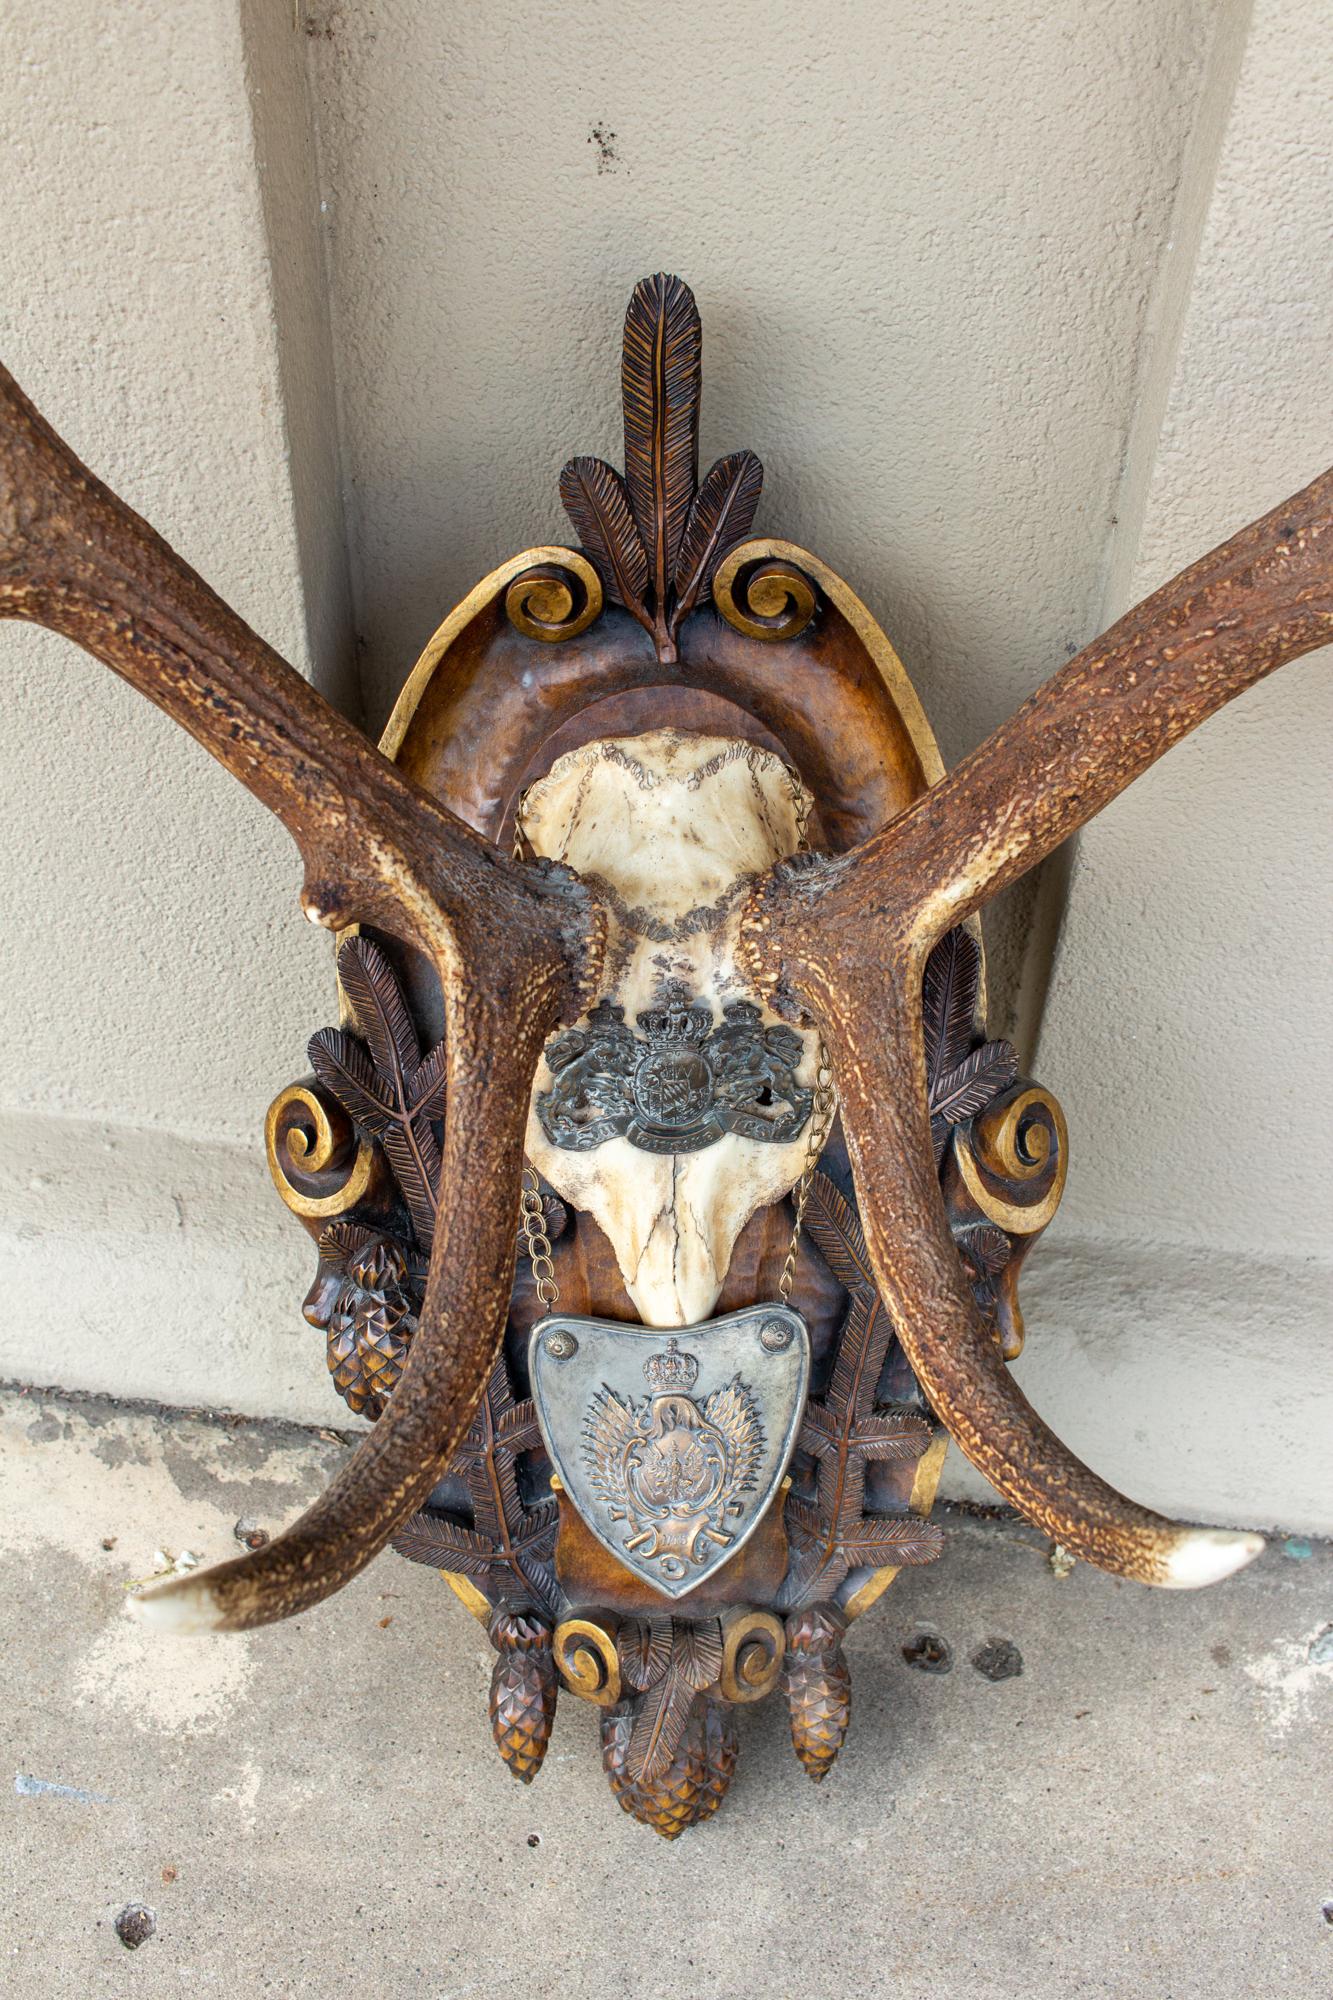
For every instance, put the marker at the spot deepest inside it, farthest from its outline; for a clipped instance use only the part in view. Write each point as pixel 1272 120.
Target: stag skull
pixel 671 832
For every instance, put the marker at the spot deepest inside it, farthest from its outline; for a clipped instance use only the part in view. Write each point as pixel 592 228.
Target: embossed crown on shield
pixel 671 1369
pixel 677 776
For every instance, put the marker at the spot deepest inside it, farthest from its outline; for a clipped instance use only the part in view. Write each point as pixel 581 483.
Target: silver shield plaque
pixel 671 1444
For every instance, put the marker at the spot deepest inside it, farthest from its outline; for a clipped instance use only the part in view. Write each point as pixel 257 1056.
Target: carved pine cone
pixel 818 1685
pixel 524 1685
pixel 373 1319
pixel 697 1782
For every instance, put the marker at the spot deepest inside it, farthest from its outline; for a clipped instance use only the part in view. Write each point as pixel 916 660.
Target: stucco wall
pixel 1186 1340
pixel 158 978
pixel 1009 303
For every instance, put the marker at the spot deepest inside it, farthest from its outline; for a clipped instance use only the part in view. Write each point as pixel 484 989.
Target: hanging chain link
pixel 539 1243
pixel 821 1119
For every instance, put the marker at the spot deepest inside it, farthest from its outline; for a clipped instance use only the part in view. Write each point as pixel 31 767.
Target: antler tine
pixel 848 940
pixel 75 558
pixel 462 1323
pixel 1257 601
pixel 956 1357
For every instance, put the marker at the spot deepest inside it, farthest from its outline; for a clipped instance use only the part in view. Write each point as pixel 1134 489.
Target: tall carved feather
pixel 721 516
pixel 660 382
pixel 594 497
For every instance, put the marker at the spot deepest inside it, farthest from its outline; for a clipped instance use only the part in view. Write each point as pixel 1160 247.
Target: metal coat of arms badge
pixel 672 1481
pixel 681 1086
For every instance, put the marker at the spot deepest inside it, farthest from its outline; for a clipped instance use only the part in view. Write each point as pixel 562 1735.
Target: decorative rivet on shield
pixel 561 1344
pixel 775 1334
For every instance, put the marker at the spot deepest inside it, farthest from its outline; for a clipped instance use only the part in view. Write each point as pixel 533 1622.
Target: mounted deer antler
pixel 515 948
pixel 518 949
pixel 847 940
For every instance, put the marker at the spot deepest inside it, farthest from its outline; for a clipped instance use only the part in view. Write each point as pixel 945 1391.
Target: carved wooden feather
pixel 429 1538
pixel 878 1540
pixel 960 1080
pixel 644 1649
pixel 594 497
pixel 660 384
pixel 970 1085
pixel 949 999
pixel 697 1652
pixel 692 1663
pixel 655 536
pixel 986 1248
pixel 722 514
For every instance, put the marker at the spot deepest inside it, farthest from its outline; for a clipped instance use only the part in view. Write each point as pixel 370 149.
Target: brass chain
pixel 531 1213
pixel 821 1120
pixel 539 1243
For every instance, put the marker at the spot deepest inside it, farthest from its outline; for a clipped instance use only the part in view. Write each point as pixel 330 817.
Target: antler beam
pixel 516 948
pixel 847 942
pixel 468 1285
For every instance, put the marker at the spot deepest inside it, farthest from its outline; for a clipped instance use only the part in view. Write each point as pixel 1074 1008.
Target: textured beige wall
pixel 156 970
pixel 1181 1319
pixel 147 905
pixel 923 242
pixel 1008 301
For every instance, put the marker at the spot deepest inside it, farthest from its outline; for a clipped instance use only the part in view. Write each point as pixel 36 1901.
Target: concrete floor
pixel 316 1809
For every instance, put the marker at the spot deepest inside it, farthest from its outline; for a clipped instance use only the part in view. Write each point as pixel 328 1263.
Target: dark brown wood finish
pixel 498 711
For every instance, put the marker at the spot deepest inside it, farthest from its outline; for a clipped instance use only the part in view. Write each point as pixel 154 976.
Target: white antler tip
pixel 178 1608
pixel 1207 1555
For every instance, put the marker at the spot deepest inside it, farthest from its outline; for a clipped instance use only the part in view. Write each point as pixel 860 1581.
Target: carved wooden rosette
pixel 559 648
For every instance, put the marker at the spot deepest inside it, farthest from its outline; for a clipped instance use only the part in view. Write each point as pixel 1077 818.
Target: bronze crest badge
pixel 680 1087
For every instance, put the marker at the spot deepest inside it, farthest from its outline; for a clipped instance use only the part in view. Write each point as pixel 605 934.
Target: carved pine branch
pixel 847 942
pixel 510 1547
pixel 844 1430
